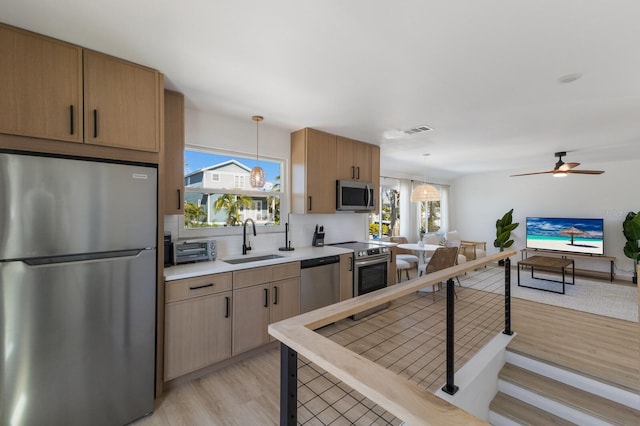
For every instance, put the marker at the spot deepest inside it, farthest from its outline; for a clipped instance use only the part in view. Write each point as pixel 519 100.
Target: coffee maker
pixel 318 236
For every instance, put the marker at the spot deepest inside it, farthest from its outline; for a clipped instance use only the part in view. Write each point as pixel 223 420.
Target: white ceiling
pixel 484 74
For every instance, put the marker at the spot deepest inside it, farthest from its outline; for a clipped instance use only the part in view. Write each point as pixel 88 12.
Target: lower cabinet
pixel 213 317
pixel 262 296
pixel 346 276
pixel 197 323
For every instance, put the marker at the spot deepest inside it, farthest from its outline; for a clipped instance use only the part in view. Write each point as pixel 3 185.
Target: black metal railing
pixel 289 357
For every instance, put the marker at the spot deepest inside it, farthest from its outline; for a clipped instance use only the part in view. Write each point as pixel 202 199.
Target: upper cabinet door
pixel 353 160
pixel 40 86
pixel 173 152
pixel 122 103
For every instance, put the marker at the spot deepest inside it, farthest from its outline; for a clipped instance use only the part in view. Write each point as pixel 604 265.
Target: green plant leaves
pixel 504 227
pixel 631 231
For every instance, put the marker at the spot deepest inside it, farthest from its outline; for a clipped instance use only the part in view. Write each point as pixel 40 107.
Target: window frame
pixel 221 231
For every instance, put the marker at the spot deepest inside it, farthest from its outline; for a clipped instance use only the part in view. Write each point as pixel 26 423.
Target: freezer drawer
pixel 77 345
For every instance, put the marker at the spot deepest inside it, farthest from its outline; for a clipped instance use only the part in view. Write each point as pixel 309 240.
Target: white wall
pixel 479 200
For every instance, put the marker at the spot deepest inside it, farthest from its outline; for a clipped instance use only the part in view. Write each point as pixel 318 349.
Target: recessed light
pixel 569 78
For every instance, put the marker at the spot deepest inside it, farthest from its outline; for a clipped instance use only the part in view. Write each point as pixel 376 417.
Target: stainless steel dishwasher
pixel 319 282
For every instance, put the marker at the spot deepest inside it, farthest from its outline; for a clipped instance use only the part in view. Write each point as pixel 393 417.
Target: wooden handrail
pixel 402 398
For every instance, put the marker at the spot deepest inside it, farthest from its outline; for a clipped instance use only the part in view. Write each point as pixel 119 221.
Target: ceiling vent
pixel 415 130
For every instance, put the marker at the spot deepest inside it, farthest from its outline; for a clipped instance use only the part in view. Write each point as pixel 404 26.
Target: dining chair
pixel 444 257
pixel 460 258
pixel 404 254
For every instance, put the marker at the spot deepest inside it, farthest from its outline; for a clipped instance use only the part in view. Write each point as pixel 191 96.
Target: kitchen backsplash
pixel 338 228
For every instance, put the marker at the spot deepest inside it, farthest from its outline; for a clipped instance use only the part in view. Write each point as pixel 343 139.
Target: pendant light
pixel 256 177
pixel 425 192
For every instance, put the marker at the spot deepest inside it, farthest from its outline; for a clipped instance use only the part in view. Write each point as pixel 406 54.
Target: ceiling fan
pixel 562 169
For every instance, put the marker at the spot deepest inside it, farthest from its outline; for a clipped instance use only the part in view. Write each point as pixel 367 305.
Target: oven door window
pixel 372 277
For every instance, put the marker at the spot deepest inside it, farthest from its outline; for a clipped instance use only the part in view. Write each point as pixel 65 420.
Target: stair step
pixel 574 398
pixel 522 413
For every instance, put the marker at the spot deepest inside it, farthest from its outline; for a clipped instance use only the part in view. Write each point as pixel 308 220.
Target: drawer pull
pixel 201 286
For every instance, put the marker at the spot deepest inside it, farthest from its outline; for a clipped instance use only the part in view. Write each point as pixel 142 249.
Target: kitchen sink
pixel 253 258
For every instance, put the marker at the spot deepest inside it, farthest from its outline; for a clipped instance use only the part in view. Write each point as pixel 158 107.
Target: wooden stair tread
pixel 601 347
pixel 523 413
pixel 570 396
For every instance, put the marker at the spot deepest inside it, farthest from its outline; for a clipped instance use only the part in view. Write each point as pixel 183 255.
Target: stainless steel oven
pixel 370 273
pixel 370 270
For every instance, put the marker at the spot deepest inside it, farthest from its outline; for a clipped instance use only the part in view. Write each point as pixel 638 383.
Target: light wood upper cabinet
pixel 313 172
pixel 122 103
pixel 318 159
pixel 173 152
pixel 40 86
pixel 57 91
pixel 354 160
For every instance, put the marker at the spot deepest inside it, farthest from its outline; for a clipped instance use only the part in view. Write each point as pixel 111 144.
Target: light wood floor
pixel 247 393
pixel 603 347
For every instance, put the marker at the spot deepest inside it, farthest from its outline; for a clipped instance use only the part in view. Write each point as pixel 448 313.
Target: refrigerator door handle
pixel 84 257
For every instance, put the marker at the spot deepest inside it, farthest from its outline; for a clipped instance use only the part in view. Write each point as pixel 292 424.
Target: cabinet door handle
pixel 275 295
pixel 201 286
pixel 179 203
pixel 350 263
pixel 353 172
pixel 266 297
pixel 309 203
pixel 95 123
pixel 358 173
pixel 227 302
pixel 72 124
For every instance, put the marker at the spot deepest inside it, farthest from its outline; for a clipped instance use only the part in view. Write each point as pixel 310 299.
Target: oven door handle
pixel 380 259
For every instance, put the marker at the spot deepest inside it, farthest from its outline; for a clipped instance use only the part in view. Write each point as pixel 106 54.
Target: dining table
pixel 423 249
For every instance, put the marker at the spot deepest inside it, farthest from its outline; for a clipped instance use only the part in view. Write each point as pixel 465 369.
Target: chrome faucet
pixel 245 247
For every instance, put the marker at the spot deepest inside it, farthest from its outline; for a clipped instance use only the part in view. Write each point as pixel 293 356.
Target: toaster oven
pixel 194 251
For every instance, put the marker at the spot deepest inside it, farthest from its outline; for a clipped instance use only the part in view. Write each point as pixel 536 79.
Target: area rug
pixel 597 297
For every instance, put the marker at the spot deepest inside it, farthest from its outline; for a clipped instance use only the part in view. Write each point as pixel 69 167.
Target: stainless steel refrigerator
pixel 77 290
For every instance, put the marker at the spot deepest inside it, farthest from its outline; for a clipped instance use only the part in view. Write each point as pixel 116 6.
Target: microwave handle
pixel 368 196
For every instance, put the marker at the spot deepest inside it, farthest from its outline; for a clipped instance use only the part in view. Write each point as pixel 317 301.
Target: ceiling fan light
pixel 560 174
pixel 425 192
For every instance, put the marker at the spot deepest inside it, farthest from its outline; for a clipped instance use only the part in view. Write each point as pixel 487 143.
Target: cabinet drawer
pixel 197 286
pixel 286 270
pixel 252 276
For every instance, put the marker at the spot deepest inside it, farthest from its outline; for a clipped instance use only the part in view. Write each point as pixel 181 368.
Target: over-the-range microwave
pixel 355 196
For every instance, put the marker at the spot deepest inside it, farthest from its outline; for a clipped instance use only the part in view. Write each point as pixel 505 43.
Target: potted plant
pixel 631 231
pixel 504 227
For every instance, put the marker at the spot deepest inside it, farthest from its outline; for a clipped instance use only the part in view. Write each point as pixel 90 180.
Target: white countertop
pixel 190 270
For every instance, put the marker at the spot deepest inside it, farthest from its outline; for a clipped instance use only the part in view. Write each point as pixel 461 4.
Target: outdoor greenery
pixel 374 228
pixel 232 204
pixel 273 202
pixel 194 215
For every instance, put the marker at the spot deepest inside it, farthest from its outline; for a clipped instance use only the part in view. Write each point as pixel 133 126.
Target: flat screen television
pixel 575 235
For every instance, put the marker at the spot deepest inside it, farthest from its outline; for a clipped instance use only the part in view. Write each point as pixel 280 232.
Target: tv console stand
pixel 524 253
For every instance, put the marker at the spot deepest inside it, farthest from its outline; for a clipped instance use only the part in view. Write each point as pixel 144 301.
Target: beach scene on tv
pixel 566 234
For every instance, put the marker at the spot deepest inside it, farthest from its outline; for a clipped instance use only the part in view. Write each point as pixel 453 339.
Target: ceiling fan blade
pixel 567 166
pixel 535 173
pixel 586 172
